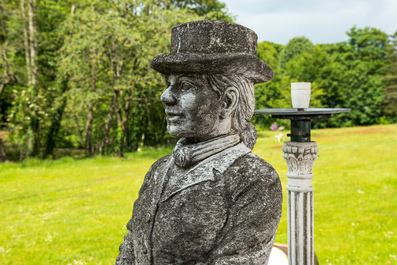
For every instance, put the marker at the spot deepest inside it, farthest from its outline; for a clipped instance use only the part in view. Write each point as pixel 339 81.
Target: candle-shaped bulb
pixel 300 94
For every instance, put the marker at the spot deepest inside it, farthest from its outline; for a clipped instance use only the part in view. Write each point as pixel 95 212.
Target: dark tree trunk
pixel 105 140
pixel 56 123
pixel 120 109
pixel 26 42
pixel 33 41
pixel 2 86
pixel 35 123
pixel 120 142
pixel 117 66
pixel 127 106
pixel 88 125
pixel 3 156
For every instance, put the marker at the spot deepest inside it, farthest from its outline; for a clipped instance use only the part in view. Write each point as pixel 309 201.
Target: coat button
pixel 144 250
pixel 148 217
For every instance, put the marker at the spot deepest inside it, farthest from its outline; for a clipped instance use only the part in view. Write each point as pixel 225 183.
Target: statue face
pixel 192 108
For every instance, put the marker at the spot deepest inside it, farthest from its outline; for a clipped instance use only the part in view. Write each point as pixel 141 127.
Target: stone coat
pixel 224 210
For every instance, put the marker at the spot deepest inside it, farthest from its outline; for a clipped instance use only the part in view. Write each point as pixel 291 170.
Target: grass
pixel 75 211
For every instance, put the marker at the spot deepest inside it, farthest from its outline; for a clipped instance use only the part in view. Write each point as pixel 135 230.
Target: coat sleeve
pixel 255 198
pixel 126 256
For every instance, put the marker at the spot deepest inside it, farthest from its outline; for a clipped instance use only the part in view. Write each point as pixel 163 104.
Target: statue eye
pixel 185 86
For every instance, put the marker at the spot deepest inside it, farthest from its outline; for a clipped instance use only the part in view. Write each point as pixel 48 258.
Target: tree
pixel 272 94
pixel 210 9
pixel 75 74
pixel 364 59
pixel 303 67
pixel 8 76
pixel 32 44
pixel 353 77
pixel 343 75
pixel 309 67
pixel 293 48
pixel 389 105
pixel 118 46
pixel 368 45
pixel 31 53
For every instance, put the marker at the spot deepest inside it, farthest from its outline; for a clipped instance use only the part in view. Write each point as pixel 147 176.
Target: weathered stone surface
pixel 211 201
pixel 213 47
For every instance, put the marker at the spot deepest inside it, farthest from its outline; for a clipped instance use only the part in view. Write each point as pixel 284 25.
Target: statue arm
pixel 254 215
pixel 126 256
pixel 255 256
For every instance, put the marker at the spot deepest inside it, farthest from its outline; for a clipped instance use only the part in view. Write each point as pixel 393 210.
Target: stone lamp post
pixel 300 154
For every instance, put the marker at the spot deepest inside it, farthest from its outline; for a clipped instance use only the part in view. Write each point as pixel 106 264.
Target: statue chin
pixel 193 130
pixel 175 131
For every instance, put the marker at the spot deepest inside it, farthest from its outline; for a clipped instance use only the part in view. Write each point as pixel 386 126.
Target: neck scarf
pixel 186 155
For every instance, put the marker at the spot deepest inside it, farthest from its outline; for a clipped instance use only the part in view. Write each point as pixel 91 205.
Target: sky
pixel 321 21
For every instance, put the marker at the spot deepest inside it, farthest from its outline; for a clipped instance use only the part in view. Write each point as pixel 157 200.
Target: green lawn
pixel 74 211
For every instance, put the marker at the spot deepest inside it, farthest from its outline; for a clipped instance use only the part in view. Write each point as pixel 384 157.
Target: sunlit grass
pixel 68 211
pixel 75 211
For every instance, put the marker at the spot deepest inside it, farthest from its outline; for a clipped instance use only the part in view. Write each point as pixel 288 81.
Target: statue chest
pixel 178 223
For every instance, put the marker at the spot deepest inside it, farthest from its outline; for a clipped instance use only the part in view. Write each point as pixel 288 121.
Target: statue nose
pixel 167 97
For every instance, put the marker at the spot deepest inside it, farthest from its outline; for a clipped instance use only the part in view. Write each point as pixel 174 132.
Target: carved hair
pixel 245 106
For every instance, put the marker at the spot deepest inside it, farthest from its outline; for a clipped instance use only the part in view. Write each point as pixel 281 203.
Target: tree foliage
pixel 81 78
pixel 343 75
pixel 75 74
pixel 210 9
pixel 294 47
pixel 389 106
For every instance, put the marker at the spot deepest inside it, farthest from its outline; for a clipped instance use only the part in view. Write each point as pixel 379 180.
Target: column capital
pixel 300 157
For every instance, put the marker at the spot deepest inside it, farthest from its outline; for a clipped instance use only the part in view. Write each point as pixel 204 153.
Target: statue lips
pixel 174 116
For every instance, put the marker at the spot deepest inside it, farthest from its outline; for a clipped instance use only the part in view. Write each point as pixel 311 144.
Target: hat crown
pixel 213 47
pixel 213 37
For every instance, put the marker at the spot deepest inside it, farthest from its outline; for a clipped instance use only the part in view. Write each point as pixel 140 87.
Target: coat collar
pixel 204 170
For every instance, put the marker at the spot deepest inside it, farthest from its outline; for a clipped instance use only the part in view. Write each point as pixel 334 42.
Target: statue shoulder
pixel 251 172
pixel 160 162
pixel 252 164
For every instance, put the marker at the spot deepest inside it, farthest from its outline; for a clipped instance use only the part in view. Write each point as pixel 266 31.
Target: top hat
pixel 213 47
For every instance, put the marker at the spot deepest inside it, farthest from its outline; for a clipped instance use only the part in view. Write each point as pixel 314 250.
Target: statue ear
pixel 230 100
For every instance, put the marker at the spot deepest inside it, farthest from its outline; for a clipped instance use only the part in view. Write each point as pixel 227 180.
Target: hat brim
pixel 247 65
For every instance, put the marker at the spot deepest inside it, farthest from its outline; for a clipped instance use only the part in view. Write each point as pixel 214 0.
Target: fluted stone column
pixel 300 157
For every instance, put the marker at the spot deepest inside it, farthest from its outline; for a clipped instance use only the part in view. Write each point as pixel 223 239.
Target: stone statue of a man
pixel 211 201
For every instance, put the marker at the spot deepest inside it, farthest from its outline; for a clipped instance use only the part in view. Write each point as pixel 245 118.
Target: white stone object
pixel 300 94
pixel 277 257
pixel 300 157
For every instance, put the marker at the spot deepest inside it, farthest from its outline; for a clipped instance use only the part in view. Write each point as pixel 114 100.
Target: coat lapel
pixel 160 176
pixel 204 170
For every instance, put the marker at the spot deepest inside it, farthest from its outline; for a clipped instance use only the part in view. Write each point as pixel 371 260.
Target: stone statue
pixel 211 201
